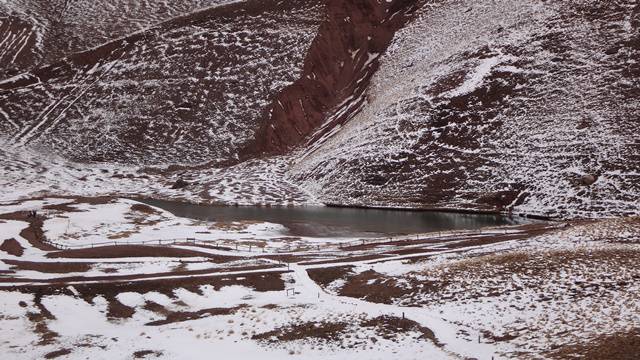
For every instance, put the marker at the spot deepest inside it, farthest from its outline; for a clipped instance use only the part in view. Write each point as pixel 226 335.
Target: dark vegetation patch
pixel 325 276
pixel 39 320
pixel 213 247
pixel 330 331
pixel 118 310
pixel 181 316
pixel 57 354
pixel 375 287
pixel 620 346
pixel 491 337
pixel 128 251
pixel 368 285
pixel 385 326
pixel 389 327
pixel 492 275
pixel 271 306
pixel 346 259
pixel 288 258
pixel 146 353
pixel 145 209
pixel 12 247
pixel 136 277
pixel 49 267
pixel 156 308
pixel 32 233
pixel 259 282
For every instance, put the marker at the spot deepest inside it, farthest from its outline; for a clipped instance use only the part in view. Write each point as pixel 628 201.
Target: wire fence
pixel 257 246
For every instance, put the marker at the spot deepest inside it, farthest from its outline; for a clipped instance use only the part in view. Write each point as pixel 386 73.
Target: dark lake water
pixel 319 221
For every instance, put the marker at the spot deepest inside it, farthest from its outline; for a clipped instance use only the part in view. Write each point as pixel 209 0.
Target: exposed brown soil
pixel 325 276
pixel 331 74
pixel 136 277
pixel 488 335
pixel 181 316
pixel 128 251
pixel 39 320
pixel 118 310
pixel 47 267
pixel 57 353
pixel 12 247
pixel 486 240
pixel 99 200
pixel 213 247
pixel 413 251
pixel 325 330
pixel 145 209
pixel 621 346
pixel 145 353
pixel 368 285
pixel 383 290
pixel 288 258
pixel 389 327
pixel 33 233
pixel 156 308
pixel 346 259
pixel 271 281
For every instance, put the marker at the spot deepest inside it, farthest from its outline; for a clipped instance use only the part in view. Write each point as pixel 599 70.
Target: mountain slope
pixel 500 105
pixel 186 91
pixel 514 106
pixel 57 28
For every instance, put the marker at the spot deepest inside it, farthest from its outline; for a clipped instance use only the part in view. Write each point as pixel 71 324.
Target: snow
pixel 461 108
pixel 456 322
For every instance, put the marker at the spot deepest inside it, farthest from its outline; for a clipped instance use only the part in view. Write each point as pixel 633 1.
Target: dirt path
pixel 308 290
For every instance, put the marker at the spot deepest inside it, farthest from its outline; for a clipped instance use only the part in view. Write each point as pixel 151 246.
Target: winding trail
pixel 309 291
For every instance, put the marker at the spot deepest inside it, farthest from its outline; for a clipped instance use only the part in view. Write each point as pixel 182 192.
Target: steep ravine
pixel 337 70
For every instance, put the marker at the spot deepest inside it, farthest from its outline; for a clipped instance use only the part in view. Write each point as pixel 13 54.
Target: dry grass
pixel 620 346
pixel 329 331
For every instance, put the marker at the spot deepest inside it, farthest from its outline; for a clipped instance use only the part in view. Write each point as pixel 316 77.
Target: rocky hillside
pixel 188 90
pixel 43 31
pixel 524 106
pixel 500 105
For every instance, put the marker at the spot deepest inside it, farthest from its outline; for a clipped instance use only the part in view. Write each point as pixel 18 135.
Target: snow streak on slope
pixel 186 91
pixel 496 106
pixel 17 42
pixel 68 26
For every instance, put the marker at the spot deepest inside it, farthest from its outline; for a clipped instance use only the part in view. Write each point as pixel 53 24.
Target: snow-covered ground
pixel 512 292
pixel 29 173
